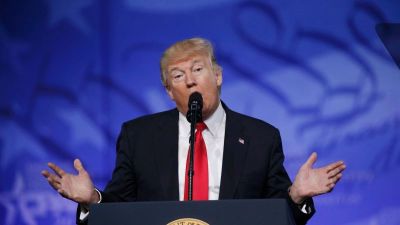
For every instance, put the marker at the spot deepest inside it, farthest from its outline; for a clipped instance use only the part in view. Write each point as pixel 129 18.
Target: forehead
pixel 187 62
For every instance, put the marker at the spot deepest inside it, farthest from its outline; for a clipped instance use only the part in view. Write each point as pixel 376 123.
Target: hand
pixel 311 182
pixel 78 188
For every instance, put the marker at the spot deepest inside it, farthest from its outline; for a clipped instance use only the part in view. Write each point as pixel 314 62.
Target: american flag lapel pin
pixel 241 141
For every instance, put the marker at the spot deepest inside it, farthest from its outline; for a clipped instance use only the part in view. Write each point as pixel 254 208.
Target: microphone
pixel 195 106
pixel 194 115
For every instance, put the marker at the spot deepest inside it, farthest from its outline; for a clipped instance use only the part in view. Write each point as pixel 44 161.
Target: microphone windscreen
pixel 196 97
pixel 195 105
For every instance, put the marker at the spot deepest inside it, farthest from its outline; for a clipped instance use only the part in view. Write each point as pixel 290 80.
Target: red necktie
pixel 200 176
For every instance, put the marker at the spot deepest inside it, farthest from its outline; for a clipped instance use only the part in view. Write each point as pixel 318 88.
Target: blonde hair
pixel 183 50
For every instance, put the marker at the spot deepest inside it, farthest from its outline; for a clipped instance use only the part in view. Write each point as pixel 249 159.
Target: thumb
pixel 78 166
pixel 311 160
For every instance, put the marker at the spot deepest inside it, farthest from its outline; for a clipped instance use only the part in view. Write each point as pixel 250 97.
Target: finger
pixel 334 165
pixel 78 166
pixel 335 179
pixel 311 160
pixel 60 172
pixel 330 187
pixel 54 184
pixel 54 179
pixel 45 173
pixel 50 177
pixel 62 192
pixel 336 171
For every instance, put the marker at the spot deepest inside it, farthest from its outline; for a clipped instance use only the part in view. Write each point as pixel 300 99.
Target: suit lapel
pixel 166 156
pixel 235 149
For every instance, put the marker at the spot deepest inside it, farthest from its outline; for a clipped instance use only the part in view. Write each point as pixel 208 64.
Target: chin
pixel 205 114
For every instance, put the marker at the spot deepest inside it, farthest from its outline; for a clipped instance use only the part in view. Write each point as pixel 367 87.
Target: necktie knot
pixel 200 126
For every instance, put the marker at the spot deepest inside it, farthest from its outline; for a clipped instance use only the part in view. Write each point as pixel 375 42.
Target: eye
pixel 177 76
pixel 198 69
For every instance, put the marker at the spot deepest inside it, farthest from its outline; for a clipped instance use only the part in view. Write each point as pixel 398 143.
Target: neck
pixel 208 114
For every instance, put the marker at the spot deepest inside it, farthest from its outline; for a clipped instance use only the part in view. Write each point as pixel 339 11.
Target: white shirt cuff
pixel 305 208
pixel 85 208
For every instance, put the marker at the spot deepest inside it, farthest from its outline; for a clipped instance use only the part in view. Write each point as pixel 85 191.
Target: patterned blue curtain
pixel 71 71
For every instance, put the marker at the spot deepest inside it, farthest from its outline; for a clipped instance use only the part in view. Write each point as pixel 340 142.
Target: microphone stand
pixel 193 119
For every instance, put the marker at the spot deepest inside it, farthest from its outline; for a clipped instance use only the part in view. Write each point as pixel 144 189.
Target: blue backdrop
pixel 73 70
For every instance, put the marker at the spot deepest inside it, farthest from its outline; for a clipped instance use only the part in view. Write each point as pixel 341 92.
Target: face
pixel 194 74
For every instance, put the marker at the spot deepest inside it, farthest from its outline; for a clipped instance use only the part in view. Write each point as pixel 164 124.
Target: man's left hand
pixel 310 181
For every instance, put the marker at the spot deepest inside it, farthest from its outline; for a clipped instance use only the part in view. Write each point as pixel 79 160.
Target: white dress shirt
pixel 214 138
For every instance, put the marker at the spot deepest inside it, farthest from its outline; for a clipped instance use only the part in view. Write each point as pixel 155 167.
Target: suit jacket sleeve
pixel 122 186
pixel 278 182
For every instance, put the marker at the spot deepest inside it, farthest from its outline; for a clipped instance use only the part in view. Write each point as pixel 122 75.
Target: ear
pixel 169 92
pixel 218 74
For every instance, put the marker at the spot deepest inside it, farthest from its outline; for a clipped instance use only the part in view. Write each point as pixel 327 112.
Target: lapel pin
pixel 241 141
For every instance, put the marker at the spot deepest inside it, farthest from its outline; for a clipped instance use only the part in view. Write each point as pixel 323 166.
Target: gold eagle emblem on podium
pixel 187 221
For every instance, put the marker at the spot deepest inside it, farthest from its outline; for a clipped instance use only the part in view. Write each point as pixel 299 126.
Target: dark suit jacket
pixel 146 167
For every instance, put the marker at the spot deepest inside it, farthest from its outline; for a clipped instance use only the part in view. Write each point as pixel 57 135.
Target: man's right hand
pixel 78 188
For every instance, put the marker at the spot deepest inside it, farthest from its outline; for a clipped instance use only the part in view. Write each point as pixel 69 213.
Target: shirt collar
pixel 213 122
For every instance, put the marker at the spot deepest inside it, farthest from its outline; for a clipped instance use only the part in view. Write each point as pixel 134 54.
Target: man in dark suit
pixel 244 155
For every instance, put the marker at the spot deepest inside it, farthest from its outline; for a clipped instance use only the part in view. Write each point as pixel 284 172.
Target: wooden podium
pixel 222 212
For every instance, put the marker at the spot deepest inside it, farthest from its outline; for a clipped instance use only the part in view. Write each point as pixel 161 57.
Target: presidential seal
pixel 187 221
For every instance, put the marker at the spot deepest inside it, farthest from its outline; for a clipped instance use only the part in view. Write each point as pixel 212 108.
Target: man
pixel 244 157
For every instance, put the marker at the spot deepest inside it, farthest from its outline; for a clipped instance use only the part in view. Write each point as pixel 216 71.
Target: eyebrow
pixel 193 64
pixel 196 61
pixel 170 72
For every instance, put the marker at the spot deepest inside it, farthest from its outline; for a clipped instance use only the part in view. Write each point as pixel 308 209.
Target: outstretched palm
pixel 78 188
pixel 310 182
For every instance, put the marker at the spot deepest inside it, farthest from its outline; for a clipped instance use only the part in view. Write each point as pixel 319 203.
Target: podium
pixel 221 212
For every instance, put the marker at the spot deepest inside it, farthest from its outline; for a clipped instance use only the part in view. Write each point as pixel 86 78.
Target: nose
pixel 190 79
